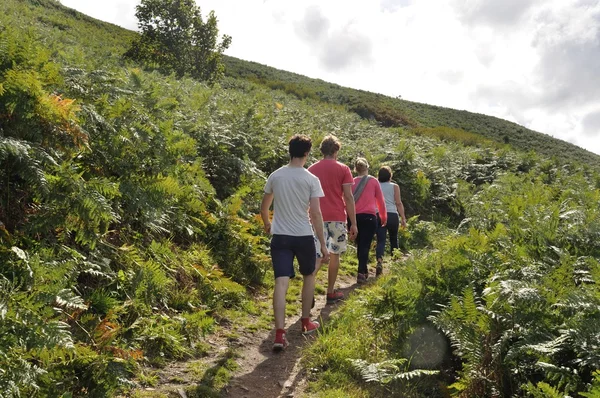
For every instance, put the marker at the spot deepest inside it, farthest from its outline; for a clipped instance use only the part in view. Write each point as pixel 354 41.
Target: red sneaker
pixel 309 327
pixel 334 297
pixel 280 340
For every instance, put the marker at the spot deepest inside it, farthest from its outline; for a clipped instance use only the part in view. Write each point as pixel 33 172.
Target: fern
pixel 388 371
pixel 18 377
pixel 68 300
pixel 565 378
pixel 477 334
pixel 543 390
pixel 21 171
pixel 594 390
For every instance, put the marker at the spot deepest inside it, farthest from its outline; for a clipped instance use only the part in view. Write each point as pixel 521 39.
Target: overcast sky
pixel 534 62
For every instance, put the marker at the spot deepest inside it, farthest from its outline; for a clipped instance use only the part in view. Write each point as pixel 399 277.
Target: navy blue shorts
pixel 283 250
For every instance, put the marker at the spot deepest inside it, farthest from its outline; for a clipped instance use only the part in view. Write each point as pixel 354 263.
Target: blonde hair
pixel 361 165
pixel 330 145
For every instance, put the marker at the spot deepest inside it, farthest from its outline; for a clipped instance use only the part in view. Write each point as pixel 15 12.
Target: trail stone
pixel 182 393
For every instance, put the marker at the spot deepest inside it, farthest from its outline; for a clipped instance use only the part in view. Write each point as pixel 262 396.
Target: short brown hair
pixel 361 165
pixel 330 145
pixel 385 174
pixel 299 145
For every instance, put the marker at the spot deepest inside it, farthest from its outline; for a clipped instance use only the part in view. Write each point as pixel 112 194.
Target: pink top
pixel 371 199
pixel 333 175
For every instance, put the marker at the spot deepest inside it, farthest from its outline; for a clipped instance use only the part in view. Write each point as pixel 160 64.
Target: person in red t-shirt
pixel 337 207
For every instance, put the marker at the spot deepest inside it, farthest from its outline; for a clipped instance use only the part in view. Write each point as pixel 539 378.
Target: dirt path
pixel 260 372
pixel 267 374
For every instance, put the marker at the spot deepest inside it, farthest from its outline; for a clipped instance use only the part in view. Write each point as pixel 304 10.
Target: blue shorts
pixel 283 250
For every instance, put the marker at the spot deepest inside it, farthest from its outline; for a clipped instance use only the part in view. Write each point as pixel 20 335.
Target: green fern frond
pixel 96 270
pixel 594 389
pixel 57 333
pixel 68 300
pixel 136 78
pixel 24 160
pixel 578 302
pixel 542 390
pixel 414 374
pixel 565 378
pixel 18 376
pixel 548 348
pixel 388 371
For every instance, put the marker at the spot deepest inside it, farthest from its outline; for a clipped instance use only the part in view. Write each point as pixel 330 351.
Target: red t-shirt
pixel 332 175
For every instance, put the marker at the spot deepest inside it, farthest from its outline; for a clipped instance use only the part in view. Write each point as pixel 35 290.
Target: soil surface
pixel 264 373
pixel 261 372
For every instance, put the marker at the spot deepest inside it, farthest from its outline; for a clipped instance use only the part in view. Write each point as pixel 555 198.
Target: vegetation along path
pixel 133 263
pixel 265 373
pixel 259 371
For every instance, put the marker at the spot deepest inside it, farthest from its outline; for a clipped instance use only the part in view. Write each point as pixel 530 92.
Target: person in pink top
pixel 337 207
pixel 368 199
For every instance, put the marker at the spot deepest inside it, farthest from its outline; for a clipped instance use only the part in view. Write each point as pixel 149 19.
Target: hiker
pixel 368 199
pixel 294 193
pixel 395 216
pixel 337 206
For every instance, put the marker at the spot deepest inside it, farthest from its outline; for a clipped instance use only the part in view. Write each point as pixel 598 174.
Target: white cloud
pixel 492 12
pixel 591 124
pixel 337 49
pixel 119 12
pixel 530 61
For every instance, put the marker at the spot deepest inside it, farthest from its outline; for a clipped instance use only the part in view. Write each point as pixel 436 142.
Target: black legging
pixel 392 225
pixel 366 225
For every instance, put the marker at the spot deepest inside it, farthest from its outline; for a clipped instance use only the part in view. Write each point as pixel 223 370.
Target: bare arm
pixel 264 211
pixel 350 209
pixel 317 222
pixel 399 205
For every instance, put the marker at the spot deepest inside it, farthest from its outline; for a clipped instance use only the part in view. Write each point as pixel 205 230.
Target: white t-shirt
pixel 292 188
pixel 388 194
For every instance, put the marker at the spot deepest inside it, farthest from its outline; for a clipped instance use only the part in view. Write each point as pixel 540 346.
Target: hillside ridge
pixel 387 111
pixel 398 112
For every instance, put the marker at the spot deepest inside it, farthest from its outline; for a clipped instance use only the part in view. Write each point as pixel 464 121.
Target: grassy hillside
pixel 390 111
pixel 129 232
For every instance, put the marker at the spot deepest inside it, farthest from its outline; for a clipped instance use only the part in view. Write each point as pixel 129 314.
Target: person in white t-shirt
pixel 395 216
pixel 294 193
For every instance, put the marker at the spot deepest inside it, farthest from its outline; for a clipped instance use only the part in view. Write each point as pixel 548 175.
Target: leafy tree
pixel 174 35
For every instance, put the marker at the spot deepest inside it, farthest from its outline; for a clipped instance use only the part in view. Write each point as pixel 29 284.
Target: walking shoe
pixel 361 278
pixel 379 268
pixel 309 327
pixel 280 341
pixel 334 297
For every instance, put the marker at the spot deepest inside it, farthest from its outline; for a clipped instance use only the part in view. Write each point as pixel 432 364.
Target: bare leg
pixel 334 266
pixel 318 264
pixel 308 292
pixel 281 287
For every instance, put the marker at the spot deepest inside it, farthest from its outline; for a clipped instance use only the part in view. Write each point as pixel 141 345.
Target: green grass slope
pixel 390 111
pixel 129 232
